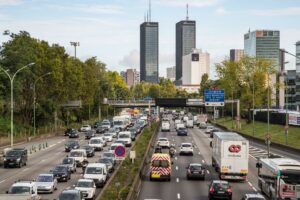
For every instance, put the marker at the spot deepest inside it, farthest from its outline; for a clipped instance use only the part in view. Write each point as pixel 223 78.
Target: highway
pixel 181 188
pixel 42 162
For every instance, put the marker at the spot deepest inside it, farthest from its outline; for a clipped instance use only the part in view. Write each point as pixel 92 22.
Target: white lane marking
pixel 254 189
pixel 43 160
pixel 175 158
pixel 177 180
pixel 24 169
pixel 178 195
pixel 250 184
pixel 177 168
pixel 52 145
pixel 59 142
pixel 203 161
pixel 3 181
pixel 63 139
pixel 207 171
pixel 199 153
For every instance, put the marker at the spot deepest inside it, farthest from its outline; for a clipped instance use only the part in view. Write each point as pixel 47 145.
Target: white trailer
pixel 279 178
pixel 230 153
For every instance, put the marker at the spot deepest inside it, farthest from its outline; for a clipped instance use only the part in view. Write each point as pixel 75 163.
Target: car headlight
pixel 18 160
pixel 4 159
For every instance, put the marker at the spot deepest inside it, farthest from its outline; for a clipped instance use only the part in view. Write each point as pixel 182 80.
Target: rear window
pixel 220 185
pixel 69 196
pixel 93 170
pixel 76 154
pixel 163 139
pixel 186 145
pixel 160 163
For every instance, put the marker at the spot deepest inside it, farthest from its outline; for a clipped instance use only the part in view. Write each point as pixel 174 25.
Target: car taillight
pixel 211 190
pixel 229 190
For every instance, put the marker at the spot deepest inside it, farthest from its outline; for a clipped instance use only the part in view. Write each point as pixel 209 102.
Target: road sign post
pixel 120 152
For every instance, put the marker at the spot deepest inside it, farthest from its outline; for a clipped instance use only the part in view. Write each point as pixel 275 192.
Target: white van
pixel 165 126
pixel 96 172
pixel 190 123
pixel 79 155
pixel 126 137
pixel 97 143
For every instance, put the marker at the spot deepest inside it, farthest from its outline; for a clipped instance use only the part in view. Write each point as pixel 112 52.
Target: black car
pixel 62 173
pixel 68 131
pixel 68 194
pixel 15 157
pixel 219 190
pixel 96 125
pixel 100 129
pixel 90 151
pixel 71 144
pixel 195 171
pixel 89 134
pixel 133 132
pixel 74 134
pixel 182 131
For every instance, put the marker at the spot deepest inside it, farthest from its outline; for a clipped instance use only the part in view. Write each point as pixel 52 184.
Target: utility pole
pixel 75 44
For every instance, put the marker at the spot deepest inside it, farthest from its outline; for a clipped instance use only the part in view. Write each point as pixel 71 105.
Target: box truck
pixel 230 153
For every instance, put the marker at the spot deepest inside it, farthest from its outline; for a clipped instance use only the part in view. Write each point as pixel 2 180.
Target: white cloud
pixel 92 8
pixel 277 12
pixel 131 60
pixel 221 11
pixel 196 3
pixel 10 2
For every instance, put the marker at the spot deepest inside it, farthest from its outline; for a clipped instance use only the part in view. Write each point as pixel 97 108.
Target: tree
pixel 167 88
pixel 154 91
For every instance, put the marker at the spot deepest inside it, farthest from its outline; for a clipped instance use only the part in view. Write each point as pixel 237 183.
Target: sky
pixel 109 29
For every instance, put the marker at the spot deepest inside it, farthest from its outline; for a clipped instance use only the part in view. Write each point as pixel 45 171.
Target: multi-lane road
pixel 42 162
pixel 181 188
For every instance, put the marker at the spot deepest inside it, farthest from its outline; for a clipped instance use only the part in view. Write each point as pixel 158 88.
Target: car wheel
pixel 20 165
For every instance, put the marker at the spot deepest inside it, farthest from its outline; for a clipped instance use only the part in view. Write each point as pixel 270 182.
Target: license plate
pixel 221 192
pixel 195 172
pixel 155 175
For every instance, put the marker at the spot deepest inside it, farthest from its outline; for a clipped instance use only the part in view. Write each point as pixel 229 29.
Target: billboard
pixel 170 102
pixel 294 119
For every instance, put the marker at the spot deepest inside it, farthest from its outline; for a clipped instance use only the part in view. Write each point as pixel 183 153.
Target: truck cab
pixel 15 157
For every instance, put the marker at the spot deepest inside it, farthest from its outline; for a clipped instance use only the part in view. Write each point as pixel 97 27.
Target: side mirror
pixel 172 163
pixel 7 192
pixel 258 165
pixel 51 171
pixel 73 186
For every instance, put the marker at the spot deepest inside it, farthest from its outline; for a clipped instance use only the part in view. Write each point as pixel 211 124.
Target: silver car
pixel 70 163
pixel 46 183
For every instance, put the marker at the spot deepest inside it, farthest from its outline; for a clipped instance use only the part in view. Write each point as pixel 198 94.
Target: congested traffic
pixel 88 160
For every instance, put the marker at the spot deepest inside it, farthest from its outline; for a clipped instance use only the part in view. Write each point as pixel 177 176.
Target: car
pixel 186 148
pixel 106 124
pixel 97 143
pixel 68 131
pixel 190 123
pixel 74 134
pixel 87 188
pixel 46 183
pixel 100 129
pixel 208 129
pixel 126 137
pixel 71 144
pixel 219 189
pixel 89 134
pixel 113 131
pixel 85 128
pixel 109 155
pixel 90 151
pixel 202 125
pixel 133 132
pixel 165 126
pixel 195 171
pixel 68 194
pixel 256 196
pixel 79 155
pixel 182 131
pixel 108 162
pixel 211 134
pixel 163 142
pixel 108 137
pixel 96 125
pixel 20 188
pixel 96 172
pixel 15 157
pixel 70 163
pixel 61 173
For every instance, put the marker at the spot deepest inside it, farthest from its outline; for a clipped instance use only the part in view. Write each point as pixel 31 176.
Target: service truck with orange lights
pixel 279 178
pixel 160 167
pixel 230 153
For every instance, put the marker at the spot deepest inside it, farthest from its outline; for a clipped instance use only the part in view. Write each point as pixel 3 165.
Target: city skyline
pixel 115 40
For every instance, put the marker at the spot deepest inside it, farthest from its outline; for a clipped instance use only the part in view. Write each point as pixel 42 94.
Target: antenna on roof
pixel 187 12
pixel 144 17
pixel 147 16
pixel 149 10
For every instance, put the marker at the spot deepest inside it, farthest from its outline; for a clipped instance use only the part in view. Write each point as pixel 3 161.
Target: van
pixel 160 167
pixel 126 137
pixel 79 155
pixel 15 157
pixel 96 172
pixel 97 143
pixel 190 123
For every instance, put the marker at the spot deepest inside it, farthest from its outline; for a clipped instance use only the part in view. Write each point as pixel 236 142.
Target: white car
pixel 186 148
pixel 97 143
pixel 126 137
pixel 209 129
pixel 202 125
pixel 163 142
pixel 85 128
pixel 97 172
pixel 113 131
pixel 108 137
pixel 79 155
pixel 46 183
pixel 87 187
pixel 165 126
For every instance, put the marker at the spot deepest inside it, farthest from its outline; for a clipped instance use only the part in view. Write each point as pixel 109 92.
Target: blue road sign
pixel 147 98
pixel 120 151
pixel 214 97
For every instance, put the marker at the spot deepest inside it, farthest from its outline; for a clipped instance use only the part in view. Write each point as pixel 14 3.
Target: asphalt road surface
pixel 181 188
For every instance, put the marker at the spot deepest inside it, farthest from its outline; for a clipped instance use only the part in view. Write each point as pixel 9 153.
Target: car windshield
pixel 104 160
pixel 160 163
pixel 86 184
pixel 105 123
pixel 118 123
pixel 111 130
pixel 87 147
pixel 70 143
pixel 186 145
pixel 14 153
pixel 220 185
pixel 20 190
pixel 108 154
pixel 67 161
pixel 123 136
pixel 76 154
pixel 59 168
pixel 93 170
pixel 69 196
pixel 195 167
pixel 85 126
pixel 95 141
pixel 182 129
pixel 44 179
pixel 107 134
pixel 162 140
pixel 290 177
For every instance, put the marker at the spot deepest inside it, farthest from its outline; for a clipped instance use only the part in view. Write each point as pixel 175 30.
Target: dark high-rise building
pixel 149 52
pixel 185 42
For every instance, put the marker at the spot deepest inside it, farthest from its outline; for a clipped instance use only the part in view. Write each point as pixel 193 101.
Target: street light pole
pixel 12 78
pixel 75 44
pixel 268 126
pixel 34 101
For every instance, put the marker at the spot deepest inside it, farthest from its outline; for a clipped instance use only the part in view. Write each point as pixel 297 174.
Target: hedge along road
pixel 121 182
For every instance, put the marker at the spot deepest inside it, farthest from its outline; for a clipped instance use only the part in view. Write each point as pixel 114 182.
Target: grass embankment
pixel 260 129
pixel 120 186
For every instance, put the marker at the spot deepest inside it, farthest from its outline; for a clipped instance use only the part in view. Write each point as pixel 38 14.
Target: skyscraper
pixel 149 51
pixel 236 54
pixel 185 42
pixel 297 59
pixel 263 44
pixel 298 76
pixel 171 73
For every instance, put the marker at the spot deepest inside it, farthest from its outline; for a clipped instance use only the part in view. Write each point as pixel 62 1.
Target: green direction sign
pixel 278 173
